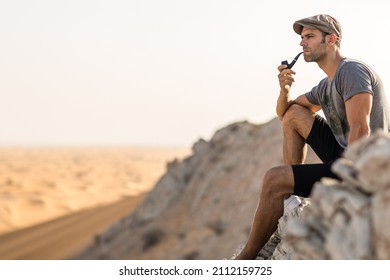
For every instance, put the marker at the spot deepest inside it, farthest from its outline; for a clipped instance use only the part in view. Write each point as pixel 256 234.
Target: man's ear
pixel 332 39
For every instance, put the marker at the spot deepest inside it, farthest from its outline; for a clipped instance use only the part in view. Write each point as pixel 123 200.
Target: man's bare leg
pixel 297 123
pixel 278 182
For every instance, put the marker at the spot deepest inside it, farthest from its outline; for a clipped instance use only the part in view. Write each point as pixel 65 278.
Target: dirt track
pixel 63 237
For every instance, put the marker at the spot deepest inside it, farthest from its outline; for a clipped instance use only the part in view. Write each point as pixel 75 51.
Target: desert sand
pixel 54 200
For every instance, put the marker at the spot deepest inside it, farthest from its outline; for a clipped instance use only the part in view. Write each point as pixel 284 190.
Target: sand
pixel 70 194
pixel 64 237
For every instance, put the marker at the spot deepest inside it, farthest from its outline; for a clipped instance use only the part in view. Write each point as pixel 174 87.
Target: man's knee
pixel 298 118
pixel 293 113
pixel 278 181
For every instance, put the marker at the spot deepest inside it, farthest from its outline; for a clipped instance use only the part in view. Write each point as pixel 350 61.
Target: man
pixel 353 101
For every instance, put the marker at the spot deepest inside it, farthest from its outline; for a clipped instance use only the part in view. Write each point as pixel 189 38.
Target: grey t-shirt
pixel 352 77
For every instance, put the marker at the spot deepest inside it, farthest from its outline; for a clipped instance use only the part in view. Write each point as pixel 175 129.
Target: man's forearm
pixel 284 101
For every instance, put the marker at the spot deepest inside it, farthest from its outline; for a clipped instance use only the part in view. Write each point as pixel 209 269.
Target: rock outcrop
pixel 202 208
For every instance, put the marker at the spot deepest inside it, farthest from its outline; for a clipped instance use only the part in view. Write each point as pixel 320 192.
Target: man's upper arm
pixel 358 110
pixel 303 101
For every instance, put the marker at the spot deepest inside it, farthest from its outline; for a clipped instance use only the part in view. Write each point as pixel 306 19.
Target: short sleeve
pixel 354 78
pixel 312 96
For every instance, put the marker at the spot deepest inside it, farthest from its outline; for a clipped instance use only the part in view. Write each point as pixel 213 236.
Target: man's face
pixel 314 44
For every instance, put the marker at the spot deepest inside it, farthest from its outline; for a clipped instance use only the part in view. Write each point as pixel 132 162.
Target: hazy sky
pixel 160 72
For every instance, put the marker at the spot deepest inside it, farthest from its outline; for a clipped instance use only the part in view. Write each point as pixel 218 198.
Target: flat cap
pixel 322 22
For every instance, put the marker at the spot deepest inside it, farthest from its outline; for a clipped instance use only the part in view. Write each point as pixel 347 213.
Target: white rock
pixel 381 224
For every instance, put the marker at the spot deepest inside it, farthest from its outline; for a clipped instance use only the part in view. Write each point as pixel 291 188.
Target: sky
pixel 160 73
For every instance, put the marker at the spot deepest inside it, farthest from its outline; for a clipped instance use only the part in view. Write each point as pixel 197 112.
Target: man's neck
pixel 330 64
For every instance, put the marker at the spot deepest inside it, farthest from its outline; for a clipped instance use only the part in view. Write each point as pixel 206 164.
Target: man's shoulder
pixel 351 70
pixel 350 64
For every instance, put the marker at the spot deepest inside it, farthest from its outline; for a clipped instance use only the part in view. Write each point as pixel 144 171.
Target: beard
pixel 315 55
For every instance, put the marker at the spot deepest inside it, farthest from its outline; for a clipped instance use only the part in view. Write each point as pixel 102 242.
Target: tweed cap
pixel 324 23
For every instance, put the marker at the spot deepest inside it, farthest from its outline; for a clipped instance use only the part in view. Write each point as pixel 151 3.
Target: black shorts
pixel 325 145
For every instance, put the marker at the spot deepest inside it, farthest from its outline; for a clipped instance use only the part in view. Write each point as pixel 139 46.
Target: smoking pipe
pixel 290 65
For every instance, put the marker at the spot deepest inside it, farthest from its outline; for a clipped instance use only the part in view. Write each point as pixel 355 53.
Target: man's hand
pixel 286 78
pixel 285 81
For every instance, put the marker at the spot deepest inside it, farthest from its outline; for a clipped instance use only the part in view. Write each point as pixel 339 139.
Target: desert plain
pixel 73 192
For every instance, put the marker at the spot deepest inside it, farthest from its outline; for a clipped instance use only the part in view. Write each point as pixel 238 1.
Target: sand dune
pixel 85 188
